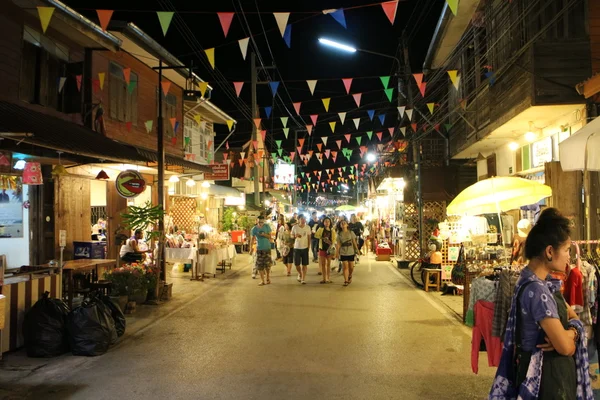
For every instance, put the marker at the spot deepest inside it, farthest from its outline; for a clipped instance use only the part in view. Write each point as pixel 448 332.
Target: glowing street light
pixel 371 157
pixel 337 45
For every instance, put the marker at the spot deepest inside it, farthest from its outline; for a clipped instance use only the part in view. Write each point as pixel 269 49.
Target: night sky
pixel 367 28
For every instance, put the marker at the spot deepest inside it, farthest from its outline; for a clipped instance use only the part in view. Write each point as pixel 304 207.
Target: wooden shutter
pixel 72 100
pixel 28 72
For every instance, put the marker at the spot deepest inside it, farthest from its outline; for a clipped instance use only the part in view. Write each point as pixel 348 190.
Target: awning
pixel 574 149
pixel 188 166
pixel 223 191
pixel 61 135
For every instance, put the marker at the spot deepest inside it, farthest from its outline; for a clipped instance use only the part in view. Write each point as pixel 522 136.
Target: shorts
pixel 289 259
pixel 263 259
pixel 347 258
pixel 301 257
pixel 323 253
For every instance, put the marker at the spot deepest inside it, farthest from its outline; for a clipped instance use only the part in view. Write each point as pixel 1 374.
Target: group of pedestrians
pixel 328 239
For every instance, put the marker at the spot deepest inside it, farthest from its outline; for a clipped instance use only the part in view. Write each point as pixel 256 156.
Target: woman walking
pixel 286 244
pixel 346 250
pixel 280 225
pixel 327 237
pixel 543 334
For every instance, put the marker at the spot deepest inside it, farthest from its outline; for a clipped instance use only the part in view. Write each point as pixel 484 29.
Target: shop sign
pixel 541 152
pixel 130 184
pixel 220 172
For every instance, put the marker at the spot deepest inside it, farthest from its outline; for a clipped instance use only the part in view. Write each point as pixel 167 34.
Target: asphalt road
pixel 379 338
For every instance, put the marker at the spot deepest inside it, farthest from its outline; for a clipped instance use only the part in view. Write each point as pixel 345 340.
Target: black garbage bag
pixel 91 328
pixel 116 313
pixel 45 328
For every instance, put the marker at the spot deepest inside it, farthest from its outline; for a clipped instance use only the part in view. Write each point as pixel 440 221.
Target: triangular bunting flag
pixel 431 106
pixel 284 121
pixel 437 127
pixel 356 122
pixel 166 85
pixel 45 14
pixel 418 79
pixel 382 118
pixel 210 54
pixel 390 8
pixel 314 118
pixel 148 124
pixel 282 20
pixel 309 128
pixel 454 78
pixel 268 112
pixel 274 86
pixel 414 127
pixel 385 80
pixel 358 139
pixel 391 130
pixel 263 135
pixel 301 142
pixel 332 126
pixel 203 87
pixel 131 86
pixel 453 5
pixel 379 135
pixel 297 107
pixel 370 134
pixel 326 103
pixel 286 132
pixel 127 75
pixel 371 114
pixel 347 83
pixel 101 76
pixel 238 87
pixel 311 86
pixel 244 46
pixel 338 15
pixel 287 36
pixel 319 146
pixel 348 136
pixel 448 127
pixel 403 130
pixel 165 17
pixel 61 83
pixel 104 17
pixel 339 144
pixel 225 18
pixel 198 119
pixel 229 124
pixel 173 121
pixel 422 89
pixel 257 122
pixel 401 111
pixel 324 139
pixel 78 79
pixel 409 114
pixel 357 97
pixel 389 93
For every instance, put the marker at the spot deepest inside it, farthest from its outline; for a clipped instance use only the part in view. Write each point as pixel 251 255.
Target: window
pixel 188 135
pixel 43 64
pixel 169 110
pixel 122 97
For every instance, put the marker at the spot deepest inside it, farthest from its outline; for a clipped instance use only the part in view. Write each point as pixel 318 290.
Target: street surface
pixel 379 338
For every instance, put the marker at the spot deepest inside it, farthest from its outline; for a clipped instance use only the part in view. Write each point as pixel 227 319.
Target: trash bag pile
pixel 88 330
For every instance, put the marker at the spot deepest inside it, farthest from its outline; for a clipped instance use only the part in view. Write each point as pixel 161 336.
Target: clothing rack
pixel 585 241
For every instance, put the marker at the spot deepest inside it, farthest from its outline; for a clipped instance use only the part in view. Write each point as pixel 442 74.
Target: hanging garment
pixel 574 289
pixel 504 293
pixel 481 289
pixel 484 315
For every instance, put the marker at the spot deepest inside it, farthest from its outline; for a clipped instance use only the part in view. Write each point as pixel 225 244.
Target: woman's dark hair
pixel 551 229
pixel 330 223
pixel 289 225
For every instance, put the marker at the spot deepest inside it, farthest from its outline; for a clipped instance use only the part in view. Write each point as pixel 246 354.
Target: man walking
pixel 302 235
pixel 313 224
pixel 262 233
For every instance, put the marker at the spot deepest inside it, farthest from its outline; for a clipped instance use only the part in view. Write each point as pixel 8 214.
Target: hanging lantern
pixel 59 170
pixel 102 175
pixel 32 174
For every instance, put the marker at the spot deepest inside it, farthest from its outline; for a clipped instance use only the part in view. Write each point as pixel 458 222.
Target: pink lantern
pixel 32 174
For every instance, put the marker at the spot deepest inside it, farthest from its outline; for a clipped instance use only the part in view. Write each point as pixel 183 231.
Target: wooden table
pixel 70 268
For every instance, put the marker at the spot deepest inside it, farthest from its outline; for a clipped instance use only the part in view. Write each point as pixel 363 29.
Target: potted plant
pixel 147 219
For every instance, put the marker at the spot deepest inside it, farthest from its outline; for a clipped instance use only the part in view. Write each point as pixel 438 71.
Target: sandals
pixel 268 281
pixel 346 283
pixel 350 279
pixel 323 282
pixel 328 282
pixel 262 284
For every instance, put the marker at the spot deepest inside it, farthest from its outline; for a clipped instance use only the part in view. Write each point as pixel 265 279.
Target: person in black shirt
pixel 357 227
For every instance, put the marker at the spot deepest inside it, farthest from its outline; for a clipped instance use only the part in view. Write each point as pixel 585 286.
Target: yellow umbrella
pixel 497 194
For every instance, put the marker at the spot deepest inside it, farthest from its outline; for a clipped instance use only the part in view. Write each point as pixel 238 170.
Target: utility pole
pixel 294 198
pixel 416 145
pixel 160 148
pixel 254 83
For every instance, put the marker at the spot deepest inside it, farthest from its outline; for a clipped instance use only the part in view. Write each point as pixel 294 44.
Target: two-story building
pixel 518 66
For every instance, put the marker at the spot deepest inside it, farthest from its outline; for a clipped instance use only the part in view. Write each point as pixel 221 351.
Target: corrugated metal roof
pixel 57 134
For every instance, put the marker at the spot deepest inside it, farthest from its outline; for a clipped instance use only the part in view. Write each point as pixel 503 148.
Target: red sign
pixel 220 172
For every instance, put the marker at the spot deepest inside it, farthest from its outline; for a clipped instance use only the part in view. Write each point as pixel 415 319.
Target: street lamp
pixel 371 157
pixel 352 49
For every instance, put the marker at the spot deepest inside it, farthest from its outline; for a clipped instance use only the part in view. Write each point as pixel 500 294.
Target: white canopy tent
pixel 581 149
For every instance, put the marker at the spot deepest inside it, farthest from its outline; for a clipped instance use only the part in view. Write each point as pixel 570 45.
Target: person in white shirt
pixel 302 235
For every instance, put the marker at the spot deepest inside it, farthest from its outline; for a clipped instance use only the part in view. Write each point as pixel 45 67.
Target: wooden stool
pixel 432 273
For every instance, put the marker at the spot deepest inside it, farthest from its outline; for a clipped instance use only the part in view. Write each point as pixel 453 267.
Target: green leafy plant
pixel 228 219
pixel 145 218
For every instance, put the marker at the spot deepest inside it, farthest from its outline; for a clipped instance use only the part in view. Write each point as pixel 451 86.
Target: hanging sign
pixel 130 184
pixel 541 152
pixel 220 172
